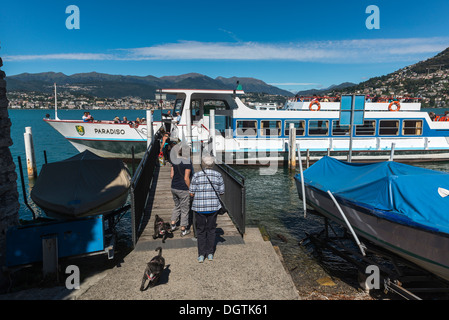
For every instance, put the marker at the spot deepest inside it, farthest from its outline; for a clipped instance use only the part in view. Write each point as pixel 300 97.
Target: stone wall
pixel 9 197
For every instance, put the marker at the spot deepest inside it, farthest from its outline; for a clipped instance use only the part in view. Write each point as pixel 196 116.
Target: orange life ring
pixel 314 102
pixel 398 106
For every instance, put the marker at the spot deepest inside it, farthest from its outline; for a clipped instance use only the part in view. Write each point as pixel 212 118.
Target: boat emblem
pixel 443 192
pixel 80 130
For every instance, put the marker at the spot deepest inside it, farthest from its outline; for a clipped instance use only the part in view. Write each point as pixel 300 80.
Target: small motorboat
pixel 401 208
pixel 81 186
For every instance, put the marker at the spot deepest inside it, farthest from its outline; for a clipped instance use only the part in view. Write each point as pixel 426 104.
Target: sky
pixel 294 45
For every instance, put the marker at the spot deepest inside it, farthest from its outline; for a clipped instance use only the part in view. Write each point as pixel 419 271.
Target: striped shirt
pixel 205 199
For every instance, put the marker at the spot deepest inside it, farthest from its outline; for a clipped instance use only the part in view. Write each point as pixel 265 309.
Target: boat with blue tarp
pixel 402 208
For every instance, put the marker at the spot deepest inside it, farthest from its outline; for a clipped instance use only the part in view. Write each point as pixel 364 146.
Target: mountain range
pixel 428 80
pixel 118 86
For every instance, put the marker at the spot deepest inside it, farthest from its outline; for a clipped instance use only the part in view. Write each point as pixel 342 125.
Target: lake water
pixel 271 201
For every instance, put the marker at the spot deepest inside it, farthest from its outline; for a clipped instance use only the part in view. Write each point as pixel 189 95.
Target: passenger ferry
pixel 252 136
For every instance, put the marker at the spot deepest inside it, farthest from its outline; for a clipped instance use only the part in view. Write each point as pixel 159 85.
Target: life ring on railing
pixel 314 102
pixel 397 104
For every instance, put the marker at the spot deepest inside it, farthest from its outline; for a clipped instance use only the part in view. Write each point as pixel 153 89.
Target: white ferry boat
pixel 251 136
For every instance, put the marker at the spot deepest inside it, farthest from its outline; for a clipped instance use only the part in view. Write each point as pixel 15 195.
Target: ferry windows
pixel 318 127
pixel 270 127
pixel 299 125
pixel 412 127
pixel 218 105
pixel 195 109
pixel 367 129
pixel 179 104
pixel 246 128
pixel 339 130
pixel 388 127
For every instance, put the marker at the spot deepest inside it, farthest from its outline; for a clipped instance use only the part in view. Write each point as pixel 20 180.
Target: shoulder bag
pixel 223 209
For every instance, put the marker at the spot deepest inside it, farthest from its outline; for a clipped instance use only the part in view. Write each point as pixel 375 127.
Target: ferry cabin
pixel 252 134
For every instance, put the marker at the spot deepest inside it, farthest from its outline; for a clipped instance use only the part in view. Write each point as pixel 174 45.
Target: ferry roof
pixel 204 91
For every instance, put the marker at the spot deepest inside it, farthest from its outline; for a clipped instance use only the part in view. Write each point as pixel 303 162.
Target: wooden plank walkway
pixel 161 203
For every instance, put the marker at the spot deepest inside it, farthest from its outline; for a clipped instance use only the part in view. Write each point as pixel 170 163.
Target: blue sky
pixel 295 45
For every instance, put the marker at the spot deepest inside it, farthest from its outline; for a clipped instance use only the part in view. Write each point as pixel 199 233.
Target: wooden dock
pixel 161 203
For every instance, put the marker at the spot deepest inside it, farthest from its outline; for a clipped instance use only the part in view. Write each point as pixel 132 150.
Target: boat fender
pixel 397 104
pixel 314 102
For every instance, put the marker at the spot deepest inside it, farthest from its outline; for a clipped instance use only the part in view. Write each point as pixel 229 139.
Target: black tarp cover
pixel 83 185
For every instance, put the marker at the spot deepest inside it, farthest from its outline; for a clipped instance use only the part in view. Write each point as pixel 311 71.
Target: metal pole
pixel 132 157
pixel 56 105
pixel 304 202
pixel 29 151
pixel 392 151
pixel 292 140
pixel 350 129
pixel 307 158
pixel 361 246
pixel 188 113
pixel 22 180
pixel 212 130
pixel 149 127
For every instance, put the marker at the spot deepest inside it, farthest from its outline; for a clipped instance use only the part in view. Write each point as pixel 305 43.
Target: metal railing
pixel 234 196
pixel 141 184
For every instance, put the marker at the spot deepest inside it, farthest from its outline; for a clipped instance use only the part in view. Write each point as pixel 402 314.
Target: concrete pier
pixel 244 268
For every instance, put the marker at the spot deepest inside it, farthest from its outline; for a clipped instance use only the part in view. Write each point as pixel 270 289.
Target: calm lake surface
pixel 272 201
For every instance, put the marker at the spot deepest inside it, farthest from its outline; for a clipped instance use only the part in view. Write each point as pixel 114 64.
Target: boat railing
pixel 371 98
pixel 141 184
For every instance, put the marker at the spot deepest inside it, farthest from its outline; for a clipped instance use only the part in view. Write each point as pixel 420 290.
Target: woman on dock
pixel 181 171
pixel 204 188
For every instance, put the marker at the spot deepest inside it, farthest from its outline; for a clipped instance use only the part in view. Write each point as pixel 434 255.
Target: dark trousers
pixel 206 225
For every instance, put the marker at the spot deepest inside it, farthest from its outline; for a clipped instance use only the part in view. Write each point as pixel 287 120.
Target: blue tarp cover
pixel 397 191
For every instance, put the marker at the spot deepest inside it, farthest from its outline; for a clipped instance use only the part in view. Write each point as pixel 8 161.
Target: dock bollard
pixel 292 146
pixel 149 127
pixel 29 151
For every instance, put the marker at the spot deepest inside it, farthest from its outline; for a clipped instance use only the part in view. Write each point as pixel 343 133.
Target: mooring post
pixel 149 127
pixel 304 201
pixel 212 131
pixel 29 151
pixel 50 256
pixel 292 146
pixel 392 151
pixel 307 158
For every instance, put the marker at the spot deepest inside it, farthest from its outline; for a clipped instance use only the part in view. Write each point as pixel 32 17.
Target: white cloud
pixel 61 56
pixel 340 51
